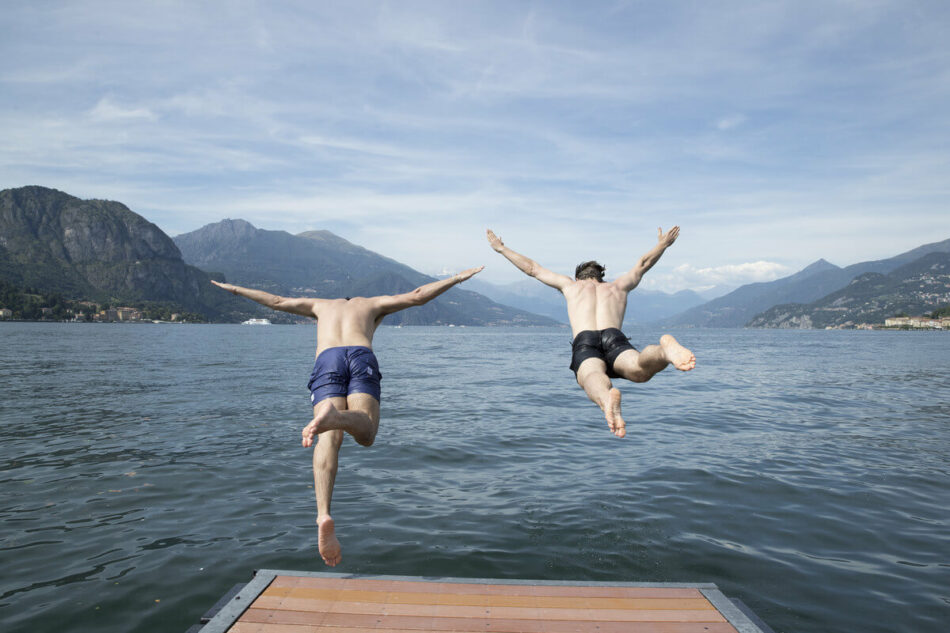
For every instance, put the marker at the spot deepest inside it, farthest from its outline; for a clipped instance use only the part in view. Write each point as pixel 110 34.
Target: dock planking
pixel 304 602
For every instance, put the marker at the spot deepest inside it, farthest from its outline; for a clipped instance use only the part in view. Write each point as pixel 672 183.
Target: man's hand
pixel 667 239
pixel 227 287
pixel 495 241
pixel 468 274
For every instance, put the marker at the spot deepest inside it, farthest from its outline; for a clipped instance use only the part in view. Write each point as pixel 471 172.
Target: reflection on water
pixel 147 469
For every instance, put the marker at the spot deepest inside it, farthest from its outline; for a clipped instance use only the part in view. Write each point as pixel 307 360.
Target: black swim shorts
pixel 606 345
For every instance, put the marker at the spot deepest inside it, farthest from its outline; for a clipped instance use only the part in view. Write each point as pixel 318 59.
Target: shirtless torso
pixel 594 305
pixel 344 322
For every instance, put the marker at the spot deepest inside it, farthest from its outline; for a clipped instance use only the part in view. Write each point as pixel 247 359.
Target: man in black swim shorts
pixel 595 309
pixel 345 382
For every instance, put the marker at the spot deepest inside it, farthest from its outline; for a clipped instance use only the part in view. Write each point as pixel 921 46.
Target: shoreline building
pixel 919 322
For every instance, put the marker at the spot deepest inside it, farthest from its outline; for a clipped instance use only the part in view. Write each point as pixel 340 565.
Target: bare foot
pixel 612 412
pixel 679 356
pixel 325 412
pixel 327 542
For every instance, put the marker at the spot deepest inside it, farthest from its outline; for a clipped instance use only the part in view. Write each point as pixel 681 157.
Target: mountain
pixel 648 306
pixel 527 294
pixel 708 294
pixel 97 250
pixel 319 263
pixel 316 262
pixel 809 284
pixel 737 307
pixel 918 287
pixel 643 306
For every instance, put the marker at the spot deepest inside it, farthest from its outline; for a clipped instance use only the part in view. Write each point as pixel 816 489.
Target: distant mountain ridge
pixel 528 294
pixel 914 288
pixel 643 306
pixel 807 285
pixel 98 250
pixel 276 261
pixel 320 263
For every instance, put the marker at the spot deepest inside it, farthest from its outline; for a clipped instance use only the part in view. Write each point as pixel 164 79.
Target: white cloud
pixel 730 122
pixel 702 278
pixel 731 273
pixel 107 110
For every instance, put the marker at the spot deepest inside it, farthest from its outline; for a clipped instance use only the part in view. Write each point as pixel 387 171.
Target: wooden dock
pixel 304 602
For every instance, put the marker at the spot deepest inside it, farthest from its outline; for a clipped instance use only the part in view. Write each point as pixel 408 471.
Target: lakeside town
pixel 918 323
pixel 89 312
pixel 95 315
pixel 898 323
pixel 53 308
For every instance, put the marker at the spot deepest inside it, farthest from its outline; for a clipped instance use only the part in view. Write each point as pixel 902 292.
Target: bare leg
pixel 327 417
pixel 642 366
pixel 592 376
pixel 325 463
pixel 326 460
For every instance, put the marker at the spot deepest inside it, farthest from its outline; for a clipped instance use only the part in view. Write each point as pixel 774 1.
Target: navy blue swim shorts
pixel 340 371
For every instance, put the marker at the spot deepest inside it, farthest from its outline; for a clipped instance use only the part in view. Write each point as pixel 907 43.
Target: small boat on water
pixel 256 322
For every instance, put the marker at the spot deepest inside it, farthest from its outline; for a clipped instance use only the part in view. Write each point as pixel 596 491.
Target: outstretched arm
pixel 527 265
pixel 423 294
pixel 631 279
pixel 302 306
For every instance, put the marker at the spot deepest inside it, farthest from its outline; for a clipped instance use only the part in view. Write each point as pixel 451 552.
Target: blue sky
pixel 773 133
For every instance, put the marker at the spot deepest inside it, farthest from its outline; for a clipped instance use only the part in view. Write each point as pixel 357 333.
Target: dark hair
pixel 590 270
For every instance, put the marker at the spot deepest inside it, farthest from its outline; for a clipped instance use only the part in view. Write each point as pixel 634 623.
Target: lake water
pixel 145 469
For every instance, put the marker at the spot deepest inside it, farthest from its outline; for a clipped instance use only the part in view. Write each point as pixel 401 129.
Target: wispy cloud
pixel 729 122
pixel 686 276
pixel 107 110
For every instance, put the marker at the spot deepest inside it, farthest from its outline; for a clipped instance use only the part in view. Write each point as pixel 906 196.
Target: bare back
pixel 347 322
pixel 593 305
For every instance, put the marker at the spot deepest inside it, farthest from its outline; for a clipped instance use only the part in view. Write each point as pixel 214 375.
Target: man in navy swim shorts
pixel 595 310
pixel 345 383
